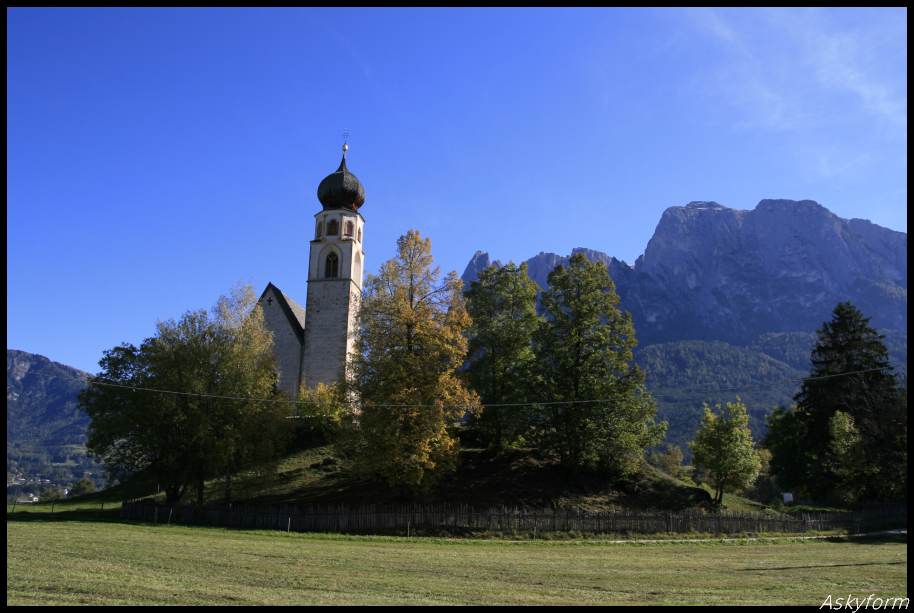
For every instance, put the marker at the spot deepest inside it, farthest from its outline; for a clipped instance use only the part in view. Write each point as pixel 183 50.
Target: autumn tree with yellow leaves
pixel 411 343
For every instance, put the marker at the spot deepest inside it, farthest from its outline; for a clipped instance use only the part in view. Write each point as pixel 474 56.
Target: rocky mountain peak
pixel 702 205
pixel 710 272
pixel 479 262
pixel 783 205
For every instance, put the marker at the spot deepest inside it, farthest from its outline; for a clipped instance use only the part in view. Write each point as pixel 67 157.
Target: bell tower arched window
pixel 332 266
pixel 348 229
pixel 333 227
pixel 317 233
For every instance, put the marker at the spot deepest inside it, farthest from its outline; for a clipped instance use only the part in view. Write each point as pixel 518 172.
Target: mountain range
pixel 714 273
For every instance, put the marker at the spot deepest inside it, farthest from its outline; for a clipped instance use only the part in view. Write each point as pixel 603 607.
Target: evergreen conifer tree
pixel 850 375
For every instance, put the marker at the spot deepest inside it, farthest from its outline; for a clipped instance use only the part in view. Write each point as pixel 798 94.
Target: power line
pixel 712 387
pixel 148 389
pixel 95 381
pixel 196 394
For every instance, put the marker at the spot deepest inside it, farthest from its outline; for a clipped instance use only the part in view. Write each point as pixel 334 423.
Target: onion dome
pixel 341 189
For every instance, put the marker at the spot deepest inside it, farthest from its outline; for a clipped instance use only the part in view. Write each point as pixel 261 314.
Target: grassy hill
pixel 518 477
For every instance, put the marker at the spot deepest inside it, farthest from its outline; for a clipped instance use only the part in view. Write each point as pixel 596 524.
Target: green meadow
pixel 54 561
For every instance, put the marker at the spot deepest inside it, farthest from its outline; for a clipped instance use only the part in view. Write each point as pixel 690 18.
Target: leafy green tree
pixel 669 460
pixel 82 487
pixel 584 353
pixel 850 374
pixel 49 493
pixel 216 415
pixel 764 489
pixel 502 306
pixel 411 343
pixel 845 458
pixel 723 453
pixel 323 409
pixel 250 432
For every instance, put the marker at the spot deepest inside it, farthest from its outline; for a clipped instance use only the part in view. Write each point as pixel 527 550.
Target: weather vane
pixel 345 142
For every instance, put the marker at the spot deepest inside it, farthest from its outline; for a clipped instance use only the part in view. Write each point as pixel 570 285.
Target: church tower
pixel 335 270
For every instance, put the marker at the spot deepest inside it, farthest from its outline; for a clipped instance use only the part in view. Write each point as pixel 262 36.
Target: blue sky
pixel 158 157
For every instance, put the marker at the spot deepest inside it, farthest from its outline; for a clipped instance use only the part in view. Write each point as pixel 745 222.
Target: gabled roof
pixel 293 311
pixel 297 310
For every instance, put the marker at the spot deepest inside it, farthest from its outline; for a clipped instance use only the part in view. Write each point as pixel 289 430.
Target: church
pixel 313 344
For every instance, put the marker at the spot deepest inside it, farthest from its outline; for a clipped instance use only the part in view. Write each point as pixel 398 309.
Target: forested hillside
pixel 682 375
pixel 45 431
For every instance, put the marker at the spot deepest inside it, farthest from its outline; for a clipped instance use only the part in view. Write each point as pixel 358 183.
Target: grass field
pixel 83 562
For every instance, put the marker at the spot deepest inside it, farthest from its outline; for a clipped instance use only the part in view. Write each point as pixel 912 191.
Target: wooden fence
pixel 462 519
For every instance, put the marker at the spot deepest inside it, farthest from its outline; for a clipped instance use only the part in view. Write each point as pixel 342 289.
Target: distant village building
pixel 313 344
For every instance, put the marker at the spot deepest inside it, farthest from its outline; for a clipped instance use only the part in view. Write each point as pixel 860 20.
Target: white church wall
pixel 329 323
pixel 286 343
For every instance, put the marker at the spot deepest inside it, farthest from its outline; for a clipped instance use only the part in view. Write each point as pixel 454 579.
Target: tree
pixel 850 374
pixel 48 493
pixel 764 489
pixel 669 460
pixel 411 343
pixel 584 354
pixel 324 409
pixel 502 306
pixel 789 465
pixel 248 432
pixel 216 413
pixel 845 458
pixel 82 487
pixel 723 453
pixel 896 455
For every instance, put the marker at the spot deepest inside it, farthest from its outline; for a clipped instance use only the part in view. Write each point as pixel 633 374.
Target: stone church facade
pixel 313 344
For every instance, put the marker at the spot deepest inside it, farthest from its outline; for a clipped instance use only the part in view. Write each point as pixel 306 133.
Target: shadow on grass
pixel 86 515
pixel 819 566
pixel 895 536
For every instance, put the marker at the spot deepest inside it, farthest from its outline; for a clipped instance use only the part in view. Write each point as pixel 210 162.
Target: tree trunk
pixel 174 492
pixel 495 399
